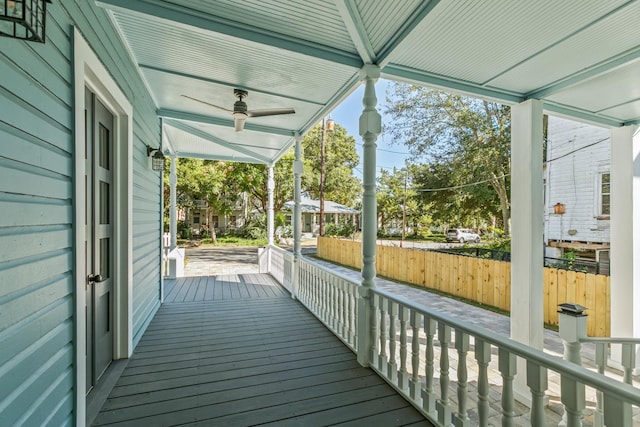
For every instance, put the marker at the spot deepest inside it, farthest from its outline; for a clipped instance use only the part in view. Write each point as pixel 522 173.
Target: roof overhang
pixel 581 57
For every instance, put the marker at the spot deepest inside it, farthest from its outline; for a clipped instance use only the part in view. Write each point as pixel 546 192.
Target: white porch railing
pixel 279 265
pixel 437 363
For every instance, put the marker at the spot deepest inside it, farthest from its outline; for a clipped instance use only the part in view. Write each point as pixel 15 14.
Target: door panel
pixel 99 243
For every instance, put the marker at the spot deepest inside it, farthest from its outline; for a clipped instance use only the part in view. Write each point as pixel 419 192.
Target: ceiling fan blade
pixel 270 112
pixel 209 104
pixel 239 122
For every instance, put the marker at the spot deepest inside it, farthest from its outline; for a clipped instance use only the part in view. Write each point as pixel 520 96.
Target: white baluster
pixel 462 346
pixel 428 394
pixel 617 412
pixel 572 397
pixel 403 375
pixel 442 405
pixel 601 361
pixel 324 313
pixel 353 315
pixel 392 366
pixel 483 356
pixel 628 361
pixel 332 302
pixel 537 382
pixel 414 382
pixel 375 330
pixel 343 309
pixel 507 368
pixel 382 358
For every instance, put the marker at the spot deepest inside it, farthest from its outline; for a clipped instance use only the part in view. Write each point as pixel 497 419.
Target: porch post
pixel 625 235
pixel 270 213
pixel 527 254
pixel 173 214
pixel 370 128
pixel 297 211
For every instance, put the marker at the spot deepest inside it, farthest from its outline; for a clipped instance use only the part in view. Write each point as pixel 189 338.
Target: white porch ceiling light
pixel 23 19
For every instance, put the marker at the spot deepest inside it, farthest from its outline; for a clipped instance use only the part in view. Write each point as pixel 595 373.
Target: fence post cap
pixel 572 309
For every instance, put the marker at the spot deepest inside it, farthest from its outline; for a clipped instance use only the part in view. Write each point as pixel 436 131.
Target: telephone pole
pixel 327 125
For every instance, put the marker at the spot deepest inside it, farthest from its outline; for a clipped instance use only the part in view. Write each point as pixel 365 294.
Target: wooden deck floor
pixel 241 352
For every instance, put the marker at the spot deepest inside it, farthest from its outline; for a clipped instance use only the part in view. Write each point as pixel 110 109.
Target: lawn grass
pixel 227 241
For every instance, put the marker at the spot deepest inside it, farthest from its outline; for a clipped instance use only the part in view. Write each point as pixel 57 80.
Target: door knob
pixel 95 278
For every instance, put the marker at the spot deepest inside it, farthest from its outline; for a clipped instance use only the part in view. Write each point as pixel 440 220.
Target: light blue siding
pixel 37 254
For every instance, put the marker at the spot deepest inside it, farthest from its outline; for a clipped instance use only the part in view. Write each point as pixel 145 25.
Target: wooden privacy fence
pixel 481 280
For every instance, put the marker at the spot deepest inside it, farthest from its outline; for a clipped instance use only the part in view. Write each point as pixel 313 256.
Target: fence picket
pixel 481 280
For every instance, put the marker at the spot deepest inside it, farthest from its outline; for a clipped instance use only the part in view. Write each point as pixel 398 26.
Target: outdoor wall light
pixel 157 159
pixel 23 19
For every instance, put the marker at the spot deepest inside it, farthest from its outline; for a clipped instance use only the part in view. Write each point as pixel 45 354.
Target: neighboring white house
pixel 203 217
pixel 577 189
pixel 333 212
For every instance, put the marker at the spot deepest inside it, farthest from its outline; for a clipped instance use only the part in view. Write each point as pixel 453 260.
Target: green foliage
pixel 393 192
pixel 341 157
pixel 501 243
pixel 339 230
pixel 284 231
pixel 184 232
pixel 462 141
pixel 234 241
pixel 254 228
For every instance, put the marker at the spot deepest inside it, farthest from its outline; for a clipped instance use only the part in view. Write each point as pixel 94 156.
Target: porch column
pixel 297 211
pixel 270 213
pixel 527 254
pixel 370 128
pixel 625 235
pixel 173 214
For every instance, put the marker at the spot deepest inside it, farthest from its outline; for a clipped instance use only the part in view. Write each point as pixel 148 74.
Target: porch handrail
pixel 280 266
pixel 404 353
pixel 401 369
pixel 575 372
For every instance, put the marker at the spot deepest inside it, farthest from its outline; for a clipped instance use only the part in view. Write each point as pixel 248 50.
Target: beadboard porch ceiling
pixel 580 56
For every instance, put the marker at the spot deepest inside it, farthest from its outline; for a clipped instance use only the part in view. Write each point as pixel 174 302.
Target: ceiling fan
pixel 240 111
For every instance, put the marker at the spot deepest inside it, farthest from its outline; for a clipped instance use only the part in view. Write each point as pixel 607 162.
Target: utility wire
pixel 578 149
pixel 424 190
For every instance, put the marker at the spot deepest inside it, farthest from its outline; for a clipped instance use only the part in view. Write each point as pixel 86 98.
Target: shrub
pixel 338 230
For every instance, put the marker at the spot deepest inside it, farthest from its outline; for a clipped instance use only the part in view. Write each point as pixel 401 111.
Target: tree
pixel 341 157
pixel 466 137
pixel 256 177
pixel 396 198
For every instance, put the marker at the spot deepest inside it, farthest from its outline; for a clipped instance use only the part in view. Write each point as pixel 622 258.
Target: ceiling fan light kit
pixel 240 110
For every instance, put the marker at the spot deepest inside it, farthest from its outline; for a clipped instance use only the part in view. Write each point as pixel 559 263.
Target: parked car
pixel 462 235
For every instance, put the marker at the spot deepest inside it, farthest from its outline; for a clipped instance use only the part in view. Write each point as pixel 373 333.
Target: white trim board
pixel 90 72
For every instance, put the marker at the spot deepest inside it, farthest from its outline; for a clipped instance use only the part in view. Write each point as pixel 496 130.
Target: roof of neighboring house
pixel 313 206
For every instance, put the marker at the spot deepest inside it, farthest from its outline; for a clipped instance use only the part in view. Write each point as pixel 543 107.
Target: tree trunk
pixel 500 186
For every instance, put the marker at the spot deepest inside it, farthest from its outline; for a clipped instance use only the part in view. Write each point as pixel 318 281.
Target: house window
pixel 215 221
pixel 605 194
pixel 196 219
pixel 232 221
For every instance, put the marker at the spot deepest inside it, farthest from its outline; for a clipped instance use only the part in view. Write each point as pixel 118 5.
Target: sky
pixel 347 115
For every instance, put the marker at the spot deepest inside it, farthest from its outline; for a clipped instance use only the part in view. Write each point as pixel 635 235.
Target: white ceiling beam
pixel 384 56
pixel 581 115
pixel 541 94
pixel 353 22
pixel 598 70
pixel 192 19
pixel 215 140
pixel 216 121
pixel 188 155
pixel 411 75
pixel 223 83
